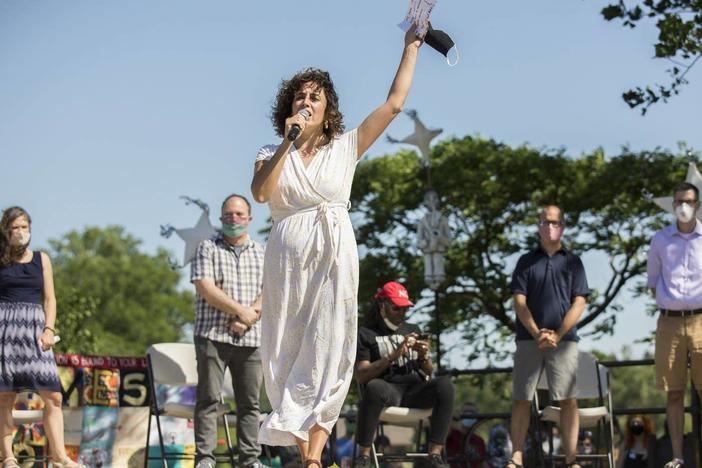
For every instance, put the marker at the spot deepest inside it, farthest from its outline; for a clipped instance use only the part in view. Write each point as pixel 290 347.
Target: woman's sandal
pixel 65 463
pixel 312 461
pixel 10 462
pixel 513 463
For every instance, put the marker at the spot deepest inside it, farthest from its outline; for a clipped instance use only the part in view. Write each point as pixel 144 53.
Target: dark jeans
pixel 245 366
pixel 378 394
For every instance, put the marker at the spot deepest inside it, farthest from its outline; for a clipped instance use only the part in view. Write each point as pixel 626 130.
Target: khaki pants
pixel 676 337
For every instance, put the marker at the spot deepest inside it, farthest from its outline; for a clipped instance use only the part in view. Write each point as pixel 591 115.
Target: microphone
pixel 296 130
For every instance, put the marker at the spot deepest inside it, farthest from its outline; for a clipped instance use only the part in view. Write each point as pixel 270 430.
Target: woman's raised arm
pixel 378 120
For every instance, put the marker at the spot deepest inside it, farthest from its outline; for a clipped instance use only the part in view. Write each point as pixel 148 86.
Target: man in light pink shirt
pixel 675 278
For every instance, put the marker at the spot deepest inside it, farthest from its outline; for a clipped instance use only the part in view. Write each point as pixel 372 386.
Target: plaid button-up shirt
pixel 239 275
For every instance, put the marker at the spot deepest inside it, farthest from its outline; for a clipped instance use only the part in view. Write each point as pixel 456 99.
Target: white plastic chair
pixel 174 364
pixel 20 417
pixel 405 417
pixel 27 417
pixel 592 381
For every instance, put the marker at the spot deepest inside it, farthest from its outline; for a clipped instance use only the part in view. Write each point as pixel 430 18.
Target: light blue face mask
pixel 233 229
pixel 467 422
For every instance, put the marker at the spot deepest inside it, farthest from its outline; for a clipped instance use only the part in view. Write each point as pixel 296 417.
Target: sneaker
pixel 258 464
pixel 435 461
pixel 674 463
pixel 362 461
pixel 205 463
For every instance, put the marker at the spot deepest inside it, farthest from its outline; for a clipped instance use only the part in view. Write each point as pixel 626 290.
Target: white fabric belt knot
pixel 324 233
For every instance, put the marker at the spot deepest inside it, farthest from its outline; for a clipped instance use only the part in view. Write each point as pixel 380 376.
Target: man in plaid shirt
pixel 227 272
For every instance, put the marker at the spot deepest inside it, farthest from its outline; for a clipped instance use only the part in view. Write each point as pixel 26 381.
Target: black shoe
pixel 362 461
pixel 435 461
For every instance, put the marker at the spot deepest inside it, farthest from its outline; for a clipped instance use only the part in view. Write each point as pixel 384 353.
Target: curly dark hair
pixel 282 108
pixel 8 253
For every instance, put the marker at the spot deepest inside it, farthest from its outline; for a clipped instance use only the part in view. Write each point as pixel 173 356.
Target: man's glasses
pixel 680 202
pixel 548 223
pixel 230 217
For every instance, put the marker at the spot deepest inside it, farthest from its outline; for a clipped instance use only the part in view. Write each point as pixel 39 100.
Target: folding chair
pixel 174 364
pixel 401 416
pixel 593 384
pixel 26 417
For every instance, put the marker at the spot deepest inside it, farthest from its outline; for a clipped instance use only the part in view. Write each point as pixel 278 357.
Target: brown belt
pixel 681 313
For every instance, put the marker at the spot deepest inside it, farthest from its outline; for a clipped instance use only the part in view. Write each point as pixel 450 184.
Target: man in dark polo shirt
pixel 550 289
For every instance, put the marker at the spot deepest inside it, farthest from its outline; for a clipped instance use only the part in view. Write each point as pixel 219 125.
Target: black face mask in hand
pixel 441 42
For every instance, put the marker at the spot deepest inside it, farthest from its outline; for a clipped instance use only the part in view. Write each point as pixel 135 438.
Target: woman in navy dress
pixel 27 318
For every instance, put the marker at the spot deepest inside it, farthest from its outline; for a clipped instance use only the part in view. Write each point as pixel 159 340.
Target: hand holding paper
pixel 418 14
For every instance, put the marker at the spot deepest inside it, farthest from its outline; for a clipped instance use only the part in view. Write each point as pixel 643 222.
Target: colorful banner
pixel 106 409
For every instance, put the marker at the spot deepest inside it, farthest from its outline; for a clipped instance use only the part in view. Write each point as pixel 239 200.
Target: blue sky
pixel 109 111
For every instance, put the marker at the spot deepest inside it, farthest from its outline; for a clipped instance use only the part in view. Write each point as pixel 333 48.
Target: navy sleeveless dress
pixel 23 364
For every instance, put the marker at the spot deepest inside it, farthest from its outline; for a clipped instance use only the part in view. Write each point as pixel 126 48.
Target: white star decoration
pixel 194 235
pixel 421 138
pixel 693 177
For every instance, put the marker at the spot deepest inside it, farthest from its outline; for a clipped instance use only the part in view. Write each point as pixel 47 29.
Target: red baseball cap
pixel 396 293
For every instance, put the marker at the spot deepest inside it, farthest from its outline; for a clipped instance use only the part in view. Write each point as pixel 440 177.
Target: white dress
pixel 310 287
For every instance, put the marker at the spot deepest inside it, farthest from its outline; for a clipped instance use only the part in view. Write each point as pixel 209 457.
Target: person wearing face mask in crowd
pixel 394 368
pixel 675 279
pixel 586 446
pixel 227 272
pixel 310 286
pixel 499 447
pixel 27 327
pixel 638 438
pixel 549 288
pixel 464 447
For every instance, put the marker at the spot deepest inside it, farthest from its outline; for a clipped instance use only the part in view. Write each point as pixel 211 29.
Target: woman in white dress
pixel 310 279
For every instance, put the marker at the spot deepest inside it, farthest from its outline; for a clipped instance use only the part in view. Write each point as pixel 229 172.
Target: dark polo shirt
pixel 550 284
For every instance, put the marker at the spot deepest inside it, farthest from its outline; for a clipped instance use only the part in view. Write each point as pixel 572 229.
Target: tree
pixel 491 195
pixel 115 297
pixel 679 24
pixel 74 314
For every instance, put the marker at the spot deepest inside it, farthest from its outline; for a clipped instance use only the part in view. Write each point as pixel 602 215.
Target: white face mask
pixel 21 239
pixel 390 325
pixel 684 212
pixel 387 321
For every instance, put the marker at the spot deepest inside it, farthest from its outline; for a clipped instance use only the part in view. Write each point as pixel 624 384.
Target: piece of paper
pixel 418 14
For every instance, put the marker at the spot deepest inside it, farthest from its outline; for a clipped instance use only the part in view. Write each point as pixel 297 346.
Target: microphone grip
pixel 294 132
